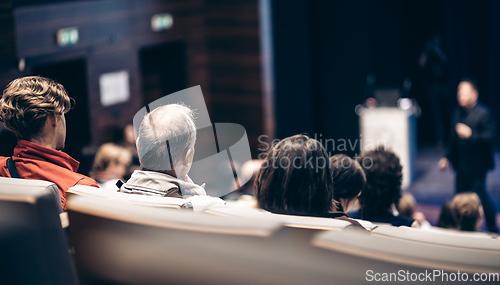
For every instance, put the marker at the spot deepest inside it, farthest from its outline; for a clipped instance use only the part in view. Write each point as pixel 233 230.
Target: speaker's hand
pixel 443 164
pixel 463 131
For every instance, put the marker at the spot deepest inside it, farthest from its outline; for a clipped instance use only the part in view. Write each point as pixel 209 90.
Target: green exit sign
pixel 67 37
pixel 161 22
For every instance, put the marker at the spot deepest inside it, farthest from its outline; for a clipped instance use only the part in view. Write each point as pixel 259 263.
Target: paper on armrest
pixel 366 224
pixel 201 203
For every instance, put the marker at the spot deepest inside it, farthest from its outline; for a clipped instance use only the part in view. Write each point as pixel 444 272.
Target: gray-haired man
pixel 165 144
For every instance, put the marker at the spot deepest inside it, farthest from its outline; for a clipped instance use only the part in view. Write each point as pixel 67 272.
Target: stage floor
pixel 432 187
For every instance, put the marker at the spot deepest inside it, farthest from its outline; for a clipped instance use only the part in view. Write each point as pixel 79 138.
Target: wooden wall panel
pixel 222 52
pixel 99 23
pixel 7 38
pixel 186 15
pixel 234 68
pixel 105 119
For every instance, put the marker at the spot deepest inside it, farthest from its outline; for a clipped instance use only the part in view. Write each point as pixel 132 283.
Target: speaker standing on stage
pixel 470 150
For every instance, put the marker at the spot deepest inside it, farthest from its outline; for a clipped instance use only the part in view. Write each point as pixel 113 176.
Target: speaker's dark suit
pixel 473 157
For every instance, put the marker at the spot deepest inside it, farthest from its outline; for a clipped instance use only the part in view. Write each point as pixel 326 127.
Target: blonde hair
pixel 406 205
pixel 107 153
pixel 26 102
pixel 466 211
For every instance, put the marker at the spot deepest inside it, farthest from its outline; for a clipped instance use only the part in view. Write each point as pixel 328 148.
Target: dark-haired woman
pixel 295 179
pixel 348 181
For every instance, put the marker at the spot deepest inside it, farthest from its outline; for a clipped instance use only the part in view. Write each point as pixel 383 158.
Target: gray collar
pixel 159 183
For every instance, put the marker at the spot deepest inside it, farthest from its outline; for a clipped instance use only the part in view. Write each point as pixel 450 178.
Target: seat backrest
pixel 120 243
pixel 486 235
pixel 106 233
pixel 6 181
pixel 33 246
pixel 407 252
pixel 184 220
pixel 442 237
pixel 152 201
pixel 287 220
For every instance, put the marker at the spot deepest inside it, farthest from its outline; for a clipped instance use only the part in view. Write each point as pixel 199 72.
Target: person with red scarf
pixel 33 108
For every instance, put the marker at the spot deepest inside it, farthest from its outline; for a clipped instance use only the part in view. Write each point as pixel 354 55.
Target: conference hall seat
pixel 293 221
pixel 411 253
pixel 33 245
pixel 121 243
pixel 116 241
pixel 470 240
pixel 486 235
pixel 6 182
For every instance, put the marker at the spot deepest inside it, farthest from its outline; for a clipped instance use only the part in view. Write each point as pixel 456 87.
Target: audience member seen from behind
pixel 110 165
pixel 383 189
pixel 446 219
pixel 295 179
pixel 348 181
pixel 467 211
pixel 126 138
pixel 406 207
pixel 33 108
pixel 165 145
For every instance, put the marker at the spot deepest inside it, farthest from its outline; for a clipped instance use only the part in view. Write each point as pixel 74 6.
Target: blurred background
pixel 276 67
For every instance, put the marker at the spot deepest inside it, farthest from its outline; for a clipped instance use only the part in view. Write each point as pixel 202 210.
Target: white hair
pixel 165 136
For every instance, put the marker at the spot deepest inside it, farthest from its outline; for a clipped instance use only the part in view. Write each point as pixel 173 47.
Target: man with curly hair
pixel 382 191
pixel 33 108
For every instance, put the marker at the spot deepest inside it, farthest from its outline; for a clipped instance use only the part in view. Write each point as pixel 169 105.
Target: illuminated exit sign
pixel 161 22
pixel 67 37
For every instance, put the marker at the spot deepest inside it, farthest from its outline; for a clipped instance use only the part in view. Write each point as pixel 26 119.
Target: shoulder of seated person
pixel 87 181
pixel 174 192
